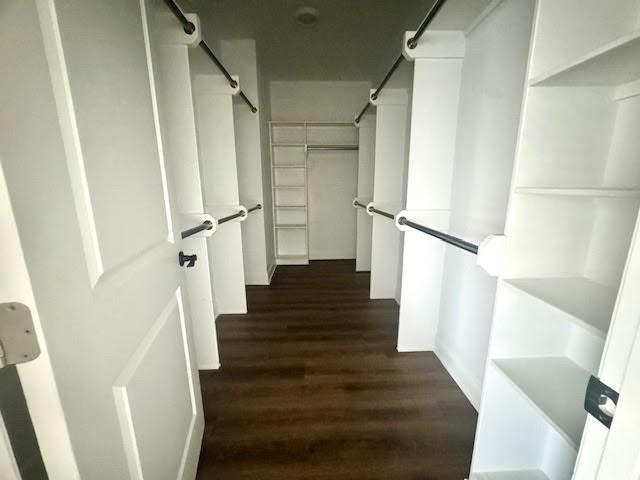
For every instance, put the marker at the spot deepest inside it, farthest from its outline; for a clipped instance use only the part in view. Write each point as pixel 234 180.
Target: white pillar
pixel 366 156
pixel 388 189
pixel 213 99
pixel 173 79
pixel 434 117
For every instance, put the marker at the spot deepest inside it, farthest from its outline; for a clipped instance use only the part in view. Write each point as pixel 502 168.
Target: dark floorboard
pixel 311 387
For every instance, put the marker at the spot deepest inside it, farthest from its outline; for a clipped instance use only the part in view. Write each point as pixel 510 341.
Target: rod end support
pixel 189 28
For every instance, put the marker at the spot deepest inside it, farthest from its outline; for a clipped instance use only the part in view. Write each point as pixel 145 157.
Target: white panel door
pixel 615 454
pixel 85 169
pixel 332 178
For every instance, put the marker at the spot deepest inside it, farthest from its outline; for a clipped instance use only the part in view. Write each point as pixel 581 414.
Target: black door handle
pixel 187 260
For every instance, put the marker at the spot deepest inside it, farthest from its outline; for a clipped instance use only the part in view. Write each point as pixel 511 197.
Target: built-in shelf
pixel 292 225
pixel 555 386
pixel 289 187
pixel 613 64
pixel 586 302
pixel 511 475
pixel 581 192
pixel 300 167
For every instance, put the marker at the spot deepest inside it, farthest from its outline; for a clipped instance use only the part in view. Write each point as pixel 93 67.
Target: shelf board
pixel 289 187
pixel 555 386
pixel 613 64
pixel 292 226
pixel 300 167
pixel 511 475
pixel 587 303
pixel 581 192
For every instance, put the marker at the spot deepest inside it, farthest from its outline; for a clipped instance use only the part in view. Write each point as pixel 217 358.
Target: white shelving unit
pixel 291 143
pixel 572 210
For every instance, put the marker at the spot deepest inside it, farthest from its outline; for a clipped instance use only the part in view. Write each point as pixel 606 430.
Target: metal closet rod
pixel 189 28
pixel 206 225
pixel 450 239
pixel 411 43
pixel 332 147
pixel 382 212
pixel 358 204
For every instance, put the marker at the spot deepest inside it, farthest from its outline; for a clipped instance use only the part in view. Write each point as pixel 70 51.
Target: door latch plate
pixel 600 401
pixel 18 341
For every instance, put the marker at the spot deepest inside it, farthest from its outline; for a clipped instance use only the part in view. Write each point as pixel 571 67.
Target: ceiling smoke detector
pixel 306 15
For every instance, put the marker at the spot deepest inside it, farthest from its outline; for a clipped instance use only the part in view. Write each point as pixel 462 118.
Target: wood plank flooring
pixel 311 387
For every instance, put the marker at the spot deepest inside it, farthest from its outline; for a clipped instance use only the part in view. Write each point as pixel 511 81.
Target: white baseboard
pixel 470 386
pixel 272 270
pixel 256 278
pixel 412 348
pixel 215 366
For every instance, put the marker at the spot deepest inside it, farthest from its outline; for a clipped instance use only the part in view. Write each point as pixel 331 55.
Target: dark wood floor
pixel 311 387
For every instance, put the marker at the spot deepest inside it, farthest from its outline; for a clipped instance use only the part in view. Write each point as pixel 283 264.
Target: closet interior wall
pixel 493 77
pixel 170 54
pixel 213 101
pixel 393 113
pixel 311 187
pixel 572 212
pixel 240 57
pixel 366 159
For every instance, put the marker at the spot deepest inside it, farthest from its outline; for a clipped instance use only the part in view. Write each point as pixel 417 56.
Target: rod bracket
pixel 491 255
pixel 442 44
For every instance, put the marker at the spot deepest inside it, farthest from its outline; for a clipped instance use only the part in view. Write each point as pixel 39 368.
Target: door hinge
pixel 601 401
pixel 18 340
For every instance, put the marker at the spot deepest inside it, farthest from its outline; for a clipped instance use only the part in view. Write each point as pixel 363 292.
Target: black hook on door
pixel 187 260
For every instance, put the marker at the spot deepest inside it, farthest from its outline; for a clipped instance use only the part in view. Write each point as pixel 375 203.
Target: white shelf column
pixel 434 117
pixel 366 155
pixel 213 99
pixel 388 190
pixel 173 76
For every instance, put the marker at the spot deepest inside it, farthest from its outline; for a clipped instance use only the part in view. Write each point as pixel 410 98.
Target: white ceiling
pixel 352 40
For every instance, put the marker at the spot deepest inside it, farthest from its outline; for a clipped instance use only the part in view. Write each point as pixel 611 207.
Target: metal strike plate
pixel 18 341
pixel 600 401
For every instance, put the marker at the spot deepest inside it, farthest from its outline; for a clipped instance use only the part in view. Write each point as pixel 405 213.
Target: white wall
pixel 317 101
pixel 239 56
pixel 490 100
pixel 325 101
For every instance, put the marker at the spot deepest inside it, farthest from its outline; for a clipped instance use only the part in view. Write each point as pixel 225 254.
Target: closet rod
pixel 411 43
pixel 253 209
pixel 189 28
pixel 206 225
pixel 450 239
pixel 231 217
pixel 358 204
pixel 332 147
pixel 381 212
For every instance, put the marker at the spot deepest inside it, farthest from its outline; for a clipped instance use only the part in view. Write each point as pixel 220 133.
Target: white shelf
pixel 302 167
pixel 289 187
pixel 587 303
pixel 555 386
pixel 511 475
pixel 581 192
pixel 292 226
pixel 292 260
pixel 613 64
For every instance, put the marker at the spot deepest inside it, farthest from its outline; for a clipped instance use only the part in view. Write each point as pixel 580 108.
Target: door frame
pixel 36 377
